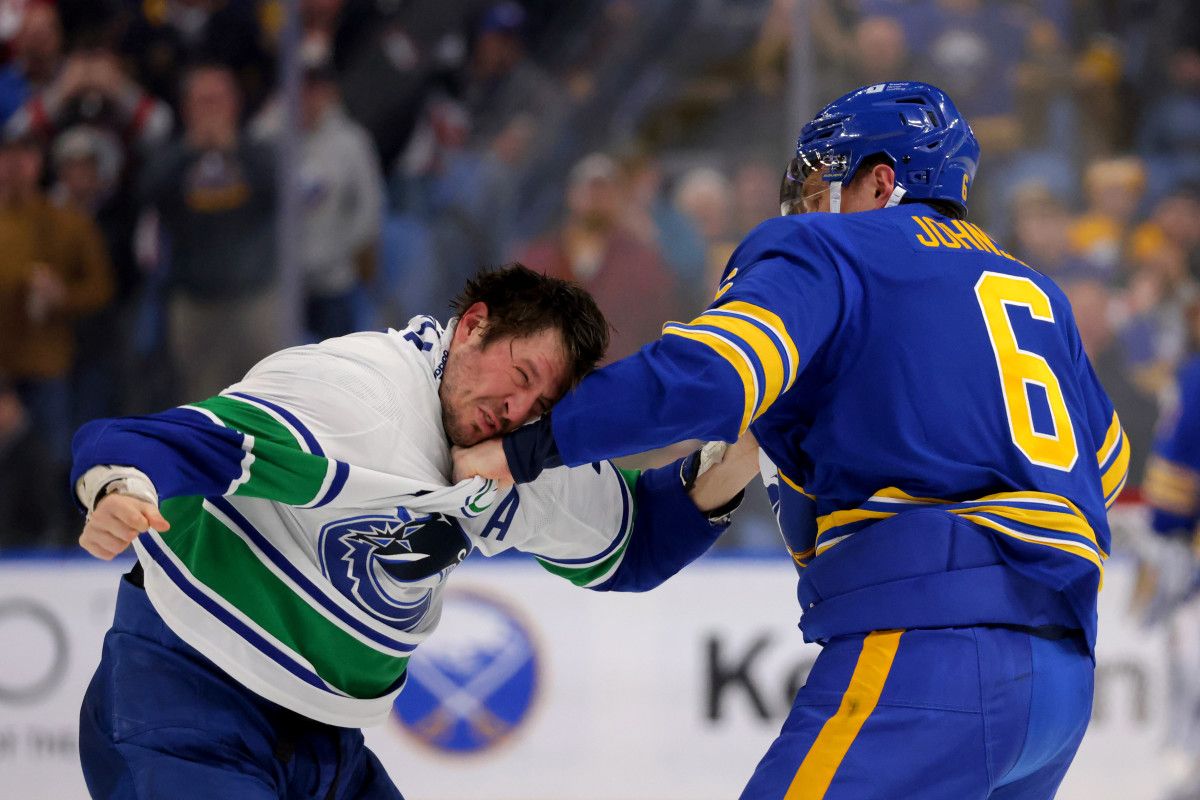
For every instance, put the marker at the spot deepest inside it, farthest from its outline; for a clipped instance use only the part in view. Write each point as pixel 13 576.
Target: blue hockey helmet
pixel 930 144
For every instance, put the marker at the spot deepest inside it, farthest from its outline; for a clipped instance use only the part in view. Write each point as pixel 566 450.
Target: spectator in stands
pixel 33 506
pixel 214 190
pixel 342 195
pixel 1171 127
pixel 1155 334
pixel 165 36
pixel 1174 220
pixel 1113 188
pixel 971 49
pixel 657 223
pixel 503 82
pixel 53 269
pixel 1044 84
pixel 706 196
pixel 629 280
pixel 1040 236
pixel 1095 308
pixel 319 21
pixel 415 50
pixel 93 90
pixel 36 57
pixel 86 167
pixel 880 51
pixel 755 189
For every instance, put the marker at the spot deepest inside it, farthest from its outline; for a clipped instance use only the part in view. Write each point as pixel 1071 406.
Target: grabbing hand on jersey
pixel 486 459
pixel 117 521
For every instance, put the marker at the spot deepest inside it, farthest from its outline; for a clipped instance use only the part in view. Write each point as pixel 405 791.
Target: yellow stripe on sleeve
pixel 821 763
pixel 1110 440
pixel 772 321
pixel 1114 476
pixel 736 358
pixel 763 348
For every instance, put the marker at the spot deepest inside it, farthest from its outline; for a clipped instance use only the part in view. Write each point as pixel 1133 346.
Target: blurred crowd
pixel 625 144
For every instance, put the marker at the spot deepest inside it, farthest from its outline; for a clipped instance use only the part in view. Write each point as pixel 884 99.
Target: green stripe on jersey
pixel 585 576
pixel 281 470
pixel 220 559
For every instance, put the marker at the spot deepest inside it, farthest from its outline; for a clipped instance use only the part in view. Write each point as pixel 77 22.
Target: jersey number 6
pixel 1019 368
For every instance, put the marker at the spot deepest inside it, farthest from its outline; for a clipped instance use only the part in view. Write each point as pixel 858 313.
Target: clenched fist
pixel 486 459
pixel 117 521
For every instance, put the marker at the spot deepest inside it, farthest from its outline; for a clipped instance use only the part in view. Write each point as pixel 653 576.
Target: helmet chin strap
pixel 835 197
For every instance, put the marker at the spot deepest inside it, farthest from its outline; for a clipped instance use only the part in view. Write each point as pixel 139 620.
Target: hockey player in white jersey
pixel 295 532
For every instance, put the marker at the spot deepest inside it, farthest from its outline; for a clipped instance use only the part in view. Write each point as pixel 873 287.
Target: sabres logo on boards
pixel 383 563
pixel 474 683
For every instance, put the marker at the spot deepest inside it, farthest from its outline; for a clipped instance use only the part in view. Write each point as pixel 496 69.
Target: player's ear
pixel 884 178
pixel 473 321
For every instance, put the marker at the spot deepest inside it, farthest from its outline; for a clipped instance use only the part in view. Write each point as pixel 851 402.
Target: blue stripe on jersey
pixel 307 586
pixel 760 373
pixel 229 620
pixel 313 446
pixel 617 540
pixel 340 474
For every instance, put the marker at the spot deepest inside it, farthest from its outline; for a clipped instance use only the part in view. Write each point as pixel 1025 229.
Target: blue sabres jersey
pixel 923 391
pixel 1172 485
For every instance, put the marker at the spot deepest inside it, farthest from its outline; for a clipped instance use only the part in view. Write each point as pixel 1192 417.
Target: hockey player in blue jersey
pixel 1171 569
pixel 926 395
pixel 1172 485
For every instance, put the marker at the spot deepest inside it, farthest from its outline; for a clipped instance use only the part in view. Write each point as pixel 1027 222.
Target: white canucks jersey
pixel 314 525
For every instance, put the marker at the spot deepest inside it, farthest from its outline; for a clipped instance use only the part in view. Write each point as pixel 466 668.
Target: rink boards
pixel 533 689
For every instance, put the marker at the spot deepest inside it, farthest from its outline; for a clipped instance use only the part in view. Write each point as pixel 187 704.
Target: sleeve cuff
pixel 98 482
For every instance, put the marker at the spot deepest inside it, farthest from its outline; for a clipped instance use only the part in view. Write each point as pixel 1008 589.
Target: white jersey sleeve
pixel 576 521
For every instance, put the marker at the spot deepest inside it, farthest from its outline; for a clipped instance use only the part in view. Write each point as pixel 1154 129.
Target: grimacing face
pixel 490 389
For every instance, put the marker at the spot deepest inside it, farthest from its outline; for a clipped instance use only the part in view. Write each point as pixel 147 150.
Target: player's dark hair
pixel 943 207
pixel 522 302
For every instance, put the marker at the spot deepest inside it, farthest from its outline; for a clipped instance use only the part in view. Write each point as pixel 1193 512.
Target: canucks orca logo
pixel 375 560
pixel 474 681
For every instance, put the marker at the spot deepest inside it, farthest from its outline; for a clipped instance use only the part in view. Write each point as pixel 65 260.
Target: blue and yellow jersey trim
pixel 1037 518
pixel 1113 458
pixel 1172 487
pixel 755 342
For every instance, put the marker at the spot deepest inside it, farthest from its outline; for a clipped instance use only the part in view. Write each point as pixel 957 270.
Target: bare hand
pixel 486 459
pixel 117 521
pixel 723 481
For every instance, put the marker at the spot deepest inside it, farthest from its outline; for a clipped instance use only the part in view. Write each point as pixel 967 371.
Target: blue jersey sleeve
pixel 1172 484
pixel 231 444
pixel 780 301
pixel 669 533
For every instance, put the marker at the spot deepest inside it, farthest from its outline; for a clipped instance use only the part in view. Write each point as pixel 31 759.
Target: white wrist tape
pixel 106 479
